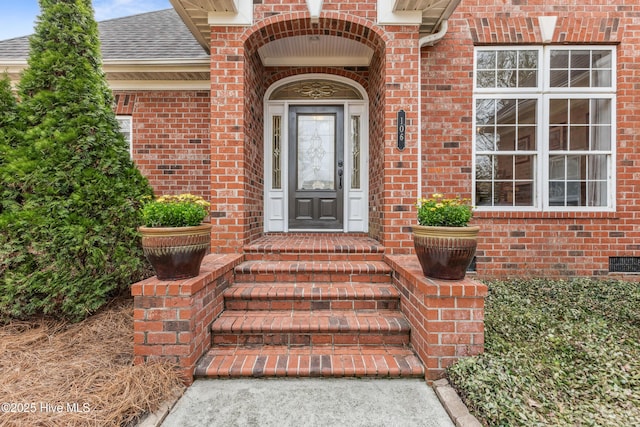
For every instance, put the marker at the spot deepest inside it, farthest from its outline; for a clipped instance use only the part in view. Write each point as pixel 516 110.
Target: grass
pixel 557 353
pixel 78 374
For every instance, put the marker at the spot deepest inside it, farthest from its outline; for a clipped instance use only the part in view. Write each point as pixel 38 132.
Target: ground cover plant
pixel 561 353
pixel 61 374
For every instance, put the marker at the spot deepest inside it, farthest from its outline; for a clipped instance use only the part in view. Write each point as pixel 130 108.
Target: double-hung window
pixel 544 128
pixel 125 123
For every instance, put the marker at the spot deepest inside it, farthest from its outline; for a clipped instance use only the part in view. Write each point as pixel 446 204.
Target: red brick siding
pixel 170 138
pixel 446 317
pixel 172 319
pixel 518 243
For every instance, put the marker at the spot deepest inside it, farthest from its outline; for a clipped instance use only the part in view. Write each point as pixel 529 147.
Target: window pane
pixel 486 79
pixel 503 194
pixel 524 167
pixel 485 139
pixel 579 111
pixel 526 138
pixel 486 60
pixel 485 111
pixel 527 111
pixel 524 194
pixel 602 79
pixel 601 138
pixel 527 78
pixel 276 179
pixel 559 59
pixel 504 166
pixel 579 78
pixel 597 167
pixel 558 111
pixel 601 110
pixel 506 138
pixel 506 78
pixel 507 68
pixel 484 168
pixel 597 193
pixel 506 111
pixel 483 193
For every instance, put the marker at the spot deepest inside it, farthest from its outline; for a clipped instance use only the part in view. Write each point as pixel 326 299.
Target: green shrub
pixel 438 211
pixel 558 353
pixel 70 236
pixel 183 210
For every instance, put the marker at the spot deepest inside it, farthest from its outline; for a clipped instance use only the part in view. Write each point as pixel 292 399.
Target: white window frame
pixel 543 93
pixel 128 138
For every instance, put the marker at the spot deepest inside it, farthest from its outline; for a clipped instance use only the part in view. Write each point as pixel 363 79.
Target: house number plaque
pixel 401 129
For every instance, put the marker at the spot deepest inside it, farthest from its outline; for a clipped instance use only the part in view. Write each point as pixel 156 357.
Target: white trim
pixel 547 25
pixel 543 93
pixel 276 203
pixel 387 14
pixel 314 7
pixel 243 15
pixel 159 84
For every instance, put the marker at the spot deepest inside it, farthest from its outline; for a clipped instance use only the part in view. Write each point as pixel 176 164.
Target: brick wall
pixel 446 317
pixel 172 319
pixel 533 244
pixel 170 138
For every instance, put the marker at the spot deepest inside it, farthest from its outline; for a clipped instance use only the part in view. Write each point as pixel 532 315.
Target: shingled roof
pixel 152 35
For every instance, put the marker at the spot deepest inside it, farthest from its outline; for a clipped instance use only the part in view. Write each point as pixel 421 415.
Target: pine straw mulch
pixel 60 374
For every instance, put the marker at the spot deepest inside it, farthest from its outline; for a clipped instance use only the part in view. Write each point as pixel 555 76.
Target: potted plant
pixel 445 243
pixel 174 239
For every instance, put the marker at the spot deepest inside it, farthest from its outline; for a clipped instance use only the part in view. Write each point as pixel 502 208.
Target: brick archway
pixel 239 81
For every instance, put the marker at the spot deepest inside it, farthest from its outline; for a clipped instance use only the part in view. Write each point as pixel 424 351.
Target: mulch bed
pixel 65 374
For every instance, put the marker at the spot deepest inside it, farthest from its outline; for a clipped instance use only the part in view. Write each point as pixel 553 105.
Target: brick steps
pixel 312 305
pixel 321 327
pixel 315 248
pixel 321 361
pixel 311 296
pixel 313 271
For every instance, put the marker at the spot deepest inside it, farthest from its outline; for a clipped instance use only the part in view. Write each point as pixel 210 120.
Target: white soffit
pixel 310 50
pixel 200 15
pixel 429 14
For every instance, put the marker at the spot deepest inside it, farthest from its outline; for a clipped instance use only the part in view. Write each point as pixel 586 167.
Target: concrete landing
pixel 309 402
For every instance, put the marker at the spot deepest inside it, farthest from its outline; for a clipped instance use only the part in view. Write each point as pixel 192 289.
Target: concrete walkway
pixel 309 402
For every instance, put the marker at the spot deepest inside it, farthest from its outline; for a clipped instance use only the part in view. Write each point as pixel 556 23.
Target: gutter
pixel 429 40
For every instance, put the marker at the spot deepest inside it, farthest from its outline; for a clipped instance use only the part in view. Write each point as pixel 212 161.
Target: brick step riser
pixel 312 339
pixel 323 277
pixel 309 305
pixel 239 365
pixel 273 256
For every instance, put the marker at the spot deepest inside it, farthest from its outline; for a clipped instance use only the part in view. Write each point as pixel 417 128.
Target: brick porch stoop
pixel 311 305
pixel 303 305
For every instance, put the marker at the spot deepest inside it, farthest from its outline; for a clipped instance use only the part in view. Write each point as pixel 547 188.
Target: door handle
pixel 340 179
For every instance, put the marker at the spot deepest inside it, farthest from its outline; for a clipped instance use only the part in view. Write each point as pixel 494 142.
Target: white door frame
pixel 356 200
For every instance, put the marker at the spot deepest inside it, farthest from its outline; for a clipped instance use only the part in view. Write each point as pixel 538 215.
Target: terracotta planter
pixel 445 252
pixel 176 252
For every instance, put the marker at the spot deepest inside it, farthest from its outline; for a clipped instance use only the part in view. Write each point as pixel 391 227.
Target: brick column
pixel 172 319
pixel 228 163
pixel 446 316
pixel 402 64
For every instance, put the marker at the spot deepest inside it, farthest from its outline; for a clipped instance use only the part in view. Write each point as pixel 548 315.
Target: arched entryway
pixel 290 67
pixel 316 155
pixel 341 49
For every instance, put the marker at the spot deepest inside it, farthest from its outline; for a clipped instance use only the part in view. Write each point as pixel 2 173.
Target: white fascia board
pixel 243 16
pixel 159 84
pixel 387 15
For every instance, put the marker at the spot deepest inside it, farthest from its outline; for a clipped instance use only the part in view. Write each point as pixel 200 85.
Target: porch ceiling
pixel 198 15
